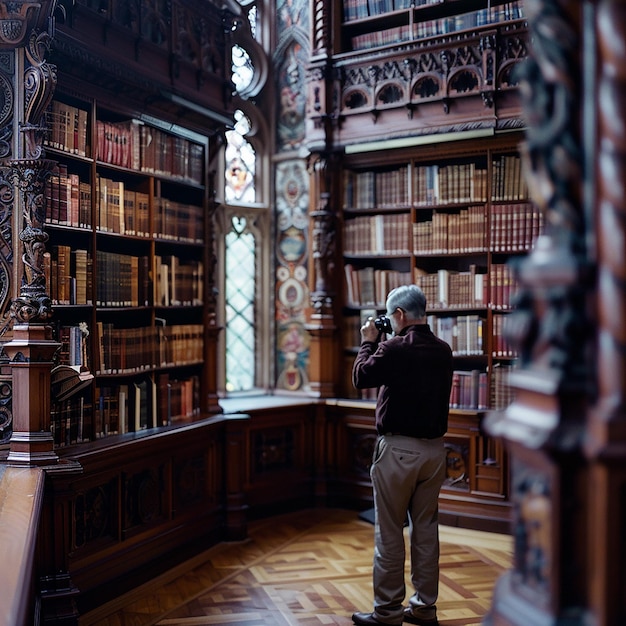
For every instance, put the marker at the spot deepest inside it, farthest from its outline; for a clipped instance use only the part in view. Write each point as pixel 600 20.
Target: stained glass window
pixel 240 163
pixel 245 240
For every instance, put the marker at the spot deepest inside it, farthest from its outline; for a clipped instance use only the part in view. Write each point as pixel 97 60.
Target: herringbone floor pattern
pixel 304 569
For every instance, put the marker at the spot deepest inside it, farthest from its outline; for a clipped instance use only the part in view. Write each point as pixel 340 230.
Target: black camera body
pixel 383 324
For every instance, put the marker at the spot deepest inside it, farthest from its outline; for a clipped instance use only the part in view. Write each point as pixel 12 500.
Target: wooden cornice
pixel 460 82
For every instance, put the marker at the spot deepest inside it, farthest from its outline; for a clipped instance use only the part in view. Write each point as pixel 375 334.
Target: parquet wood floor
pixel 308 568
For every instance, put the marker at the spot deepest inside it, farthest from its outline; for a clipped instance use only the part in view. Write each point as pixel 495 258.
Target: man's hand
pixel 369 332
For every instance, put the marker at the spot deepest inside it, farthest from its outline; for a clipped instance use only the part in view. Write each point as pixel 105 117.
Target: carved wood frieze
pixel 323 241
pixel 33 303
pixel 550 327
pixel 23 175
pixel 19 18
pixel 471 65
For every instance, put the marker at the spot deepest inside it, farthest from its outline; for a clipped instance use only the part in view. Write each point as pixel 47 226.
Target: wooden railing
pixel 21 498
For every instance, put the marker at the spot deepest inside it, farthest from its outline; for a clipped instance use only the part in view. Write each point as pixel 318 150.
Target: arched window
pixel 245 291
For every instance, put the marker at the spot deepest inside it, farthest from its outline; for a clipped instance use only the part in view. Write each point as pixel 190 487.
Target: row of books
pixel 514 227
pixel 451 233
pixel 127 212
pixel 447 289
pixel 435 185
pixel 503 285
pixel 502 393
pixel 469 390
pixel 152 401
pixel 68 199
pixel 178 282
pixel 74 342
pixel 131 350
pixel 122 408
pixel 123 280
pixel 130 144
pixel 121 210
pixel 369 189
pixel 472 390
pixel 444 289
pixel 367 286
pixel 358 9
pixel 67 128
pixel 463 333
pixel 178 221
pixel 136 146
pixel 435 27
pixel 68 275
pixel 457 183
pixel 388 234
pixel 383 37
pixel 508 182
pixel 70 420
pixel 179 399
pixel 501 346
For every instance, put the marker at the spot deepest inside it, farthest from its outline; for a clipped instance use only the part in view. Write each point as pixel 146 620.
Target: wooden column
pixel 235 461
pixel 552 328
pixel 210 402
pixel 324 341
pixel 606 428
pixel 26 29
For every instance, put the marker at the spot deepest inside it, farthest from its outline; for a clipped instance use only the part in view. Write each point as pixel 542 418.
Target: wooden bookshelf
pixel 451 225
pixel 125 269
pixel 370 24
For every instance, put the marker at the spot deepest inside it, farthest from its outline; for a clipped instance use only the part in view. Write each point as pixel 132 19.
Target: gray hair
pixel 409 298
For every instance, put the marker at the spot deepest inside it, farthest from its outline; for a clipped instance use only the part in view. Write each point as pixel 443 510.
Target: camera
pixel 383 324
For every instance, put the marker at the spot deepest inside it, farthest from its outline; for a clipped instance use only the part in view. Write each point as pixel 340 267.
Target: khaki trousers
pixel 407 474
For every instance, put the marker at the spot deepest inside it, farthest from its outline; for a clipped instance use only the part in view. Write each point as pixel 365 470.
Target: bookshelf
pixel 125 269
pixel 372 24
pixel 450 224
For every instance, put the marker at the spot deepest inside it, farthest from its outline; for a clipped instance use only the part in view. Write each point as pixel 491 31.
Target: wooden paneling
pixel 118 513
pixel 131 507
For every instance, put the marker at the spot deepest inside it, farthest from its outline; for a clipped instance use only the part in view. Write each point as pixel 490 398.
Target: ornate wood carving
pixel 605 443
pixel 423 81
pixel 551 328
pixel 323 252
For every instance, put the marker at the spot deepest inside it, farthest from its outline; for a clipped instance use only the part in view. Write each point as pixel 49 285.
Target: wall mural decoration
pixel 292 197
pixel 291 97
pixel 290 60
pixel 292 294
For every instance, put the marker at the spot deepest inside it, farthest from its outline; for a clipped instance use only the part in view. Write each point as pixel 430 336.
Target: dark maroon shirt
pixel 413 371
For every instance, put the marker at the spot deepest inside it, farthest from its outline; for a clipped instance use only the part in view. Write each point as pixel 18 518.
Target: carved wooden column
pixel 25 33
pixel 552 328
pixel 323 348
pixel 210 402
pixel 606 429
pixel 322 120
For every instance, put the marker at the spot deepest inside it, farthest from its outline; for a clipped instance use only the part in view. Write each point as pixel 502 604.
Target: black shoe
pixel 409 618
pixel 366 619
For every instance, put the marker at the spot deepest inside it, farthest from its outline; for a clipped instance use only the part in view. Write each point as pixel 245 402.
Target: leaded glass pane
pixel 240 314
